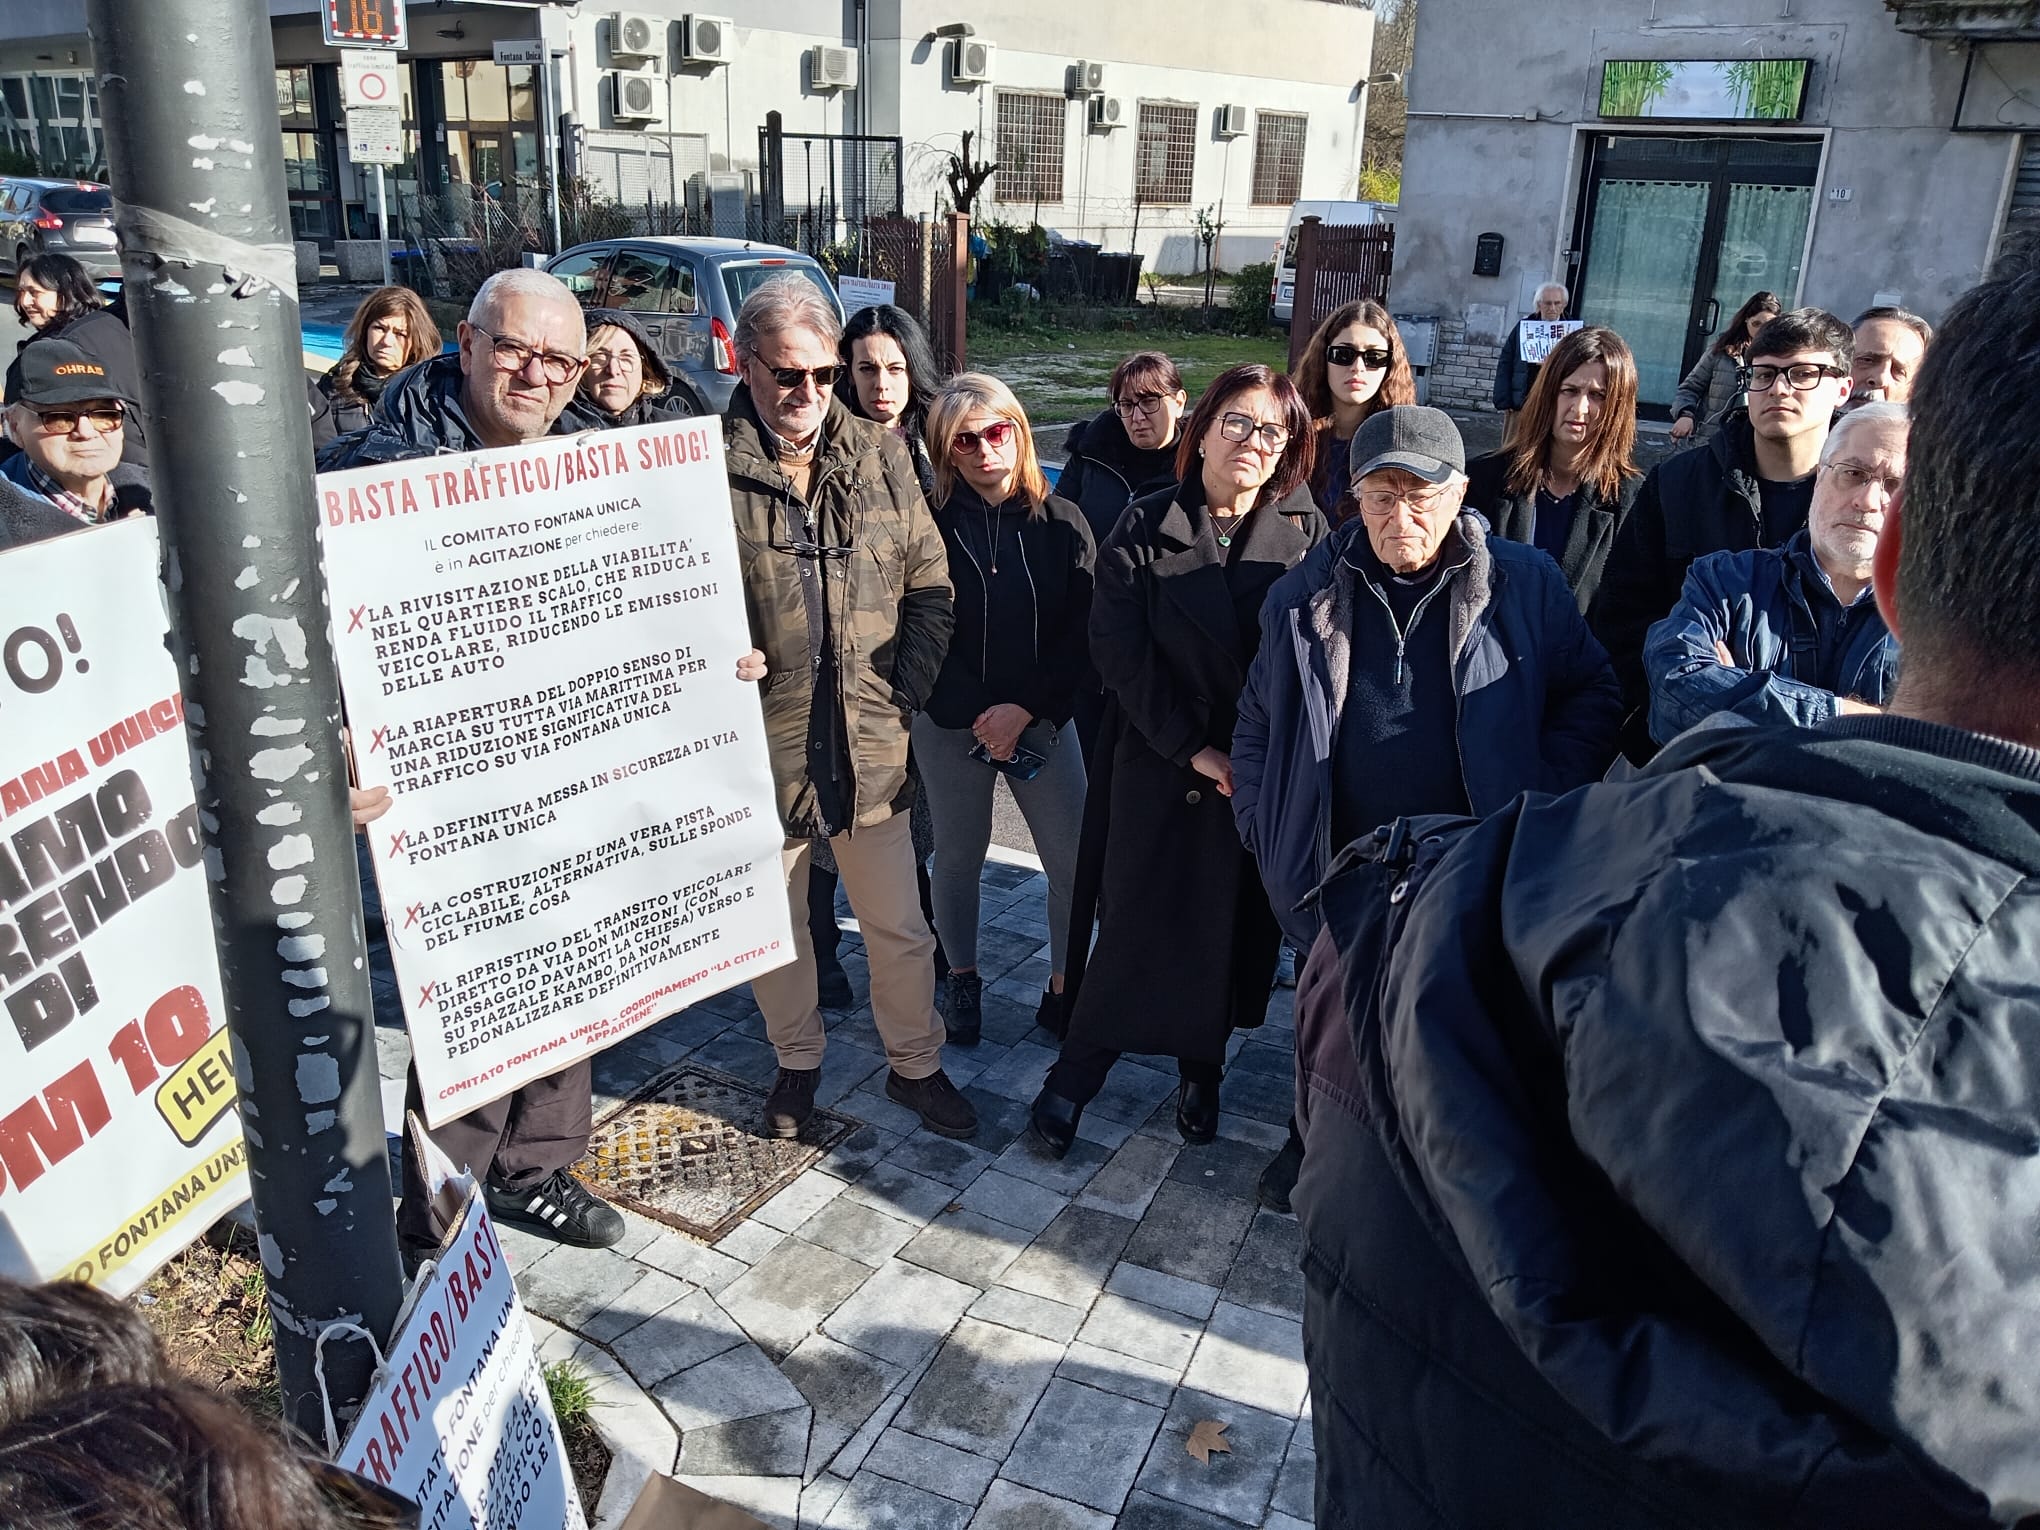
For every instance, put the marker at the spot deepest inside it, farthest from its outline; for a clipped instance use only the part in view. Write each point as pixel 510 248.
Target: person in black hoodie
pixel 1020 559
pixel 626 382
pixel 391 330
pixel 1127 452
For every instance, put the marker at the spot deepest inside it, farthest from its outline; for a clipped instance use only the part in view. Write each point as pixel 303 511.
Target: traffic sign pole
pixel 382 210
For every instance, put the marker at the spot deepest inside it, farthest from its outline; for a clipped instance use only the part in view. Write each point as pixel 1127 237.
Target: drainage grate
pixel 689 1149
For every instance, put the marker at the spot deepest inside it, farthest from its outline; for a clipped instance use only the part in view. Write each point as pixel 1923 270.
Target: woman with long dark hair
pixel 55 298
pixel 390 330
pixel 1568 475
pixel 1354 365
pixel 1175 621
pixel 1715 383
pixel 893 378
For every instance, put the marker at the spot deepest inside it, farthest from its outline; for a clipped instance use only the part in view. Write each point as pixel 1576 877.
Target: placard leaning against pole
pixel 187 90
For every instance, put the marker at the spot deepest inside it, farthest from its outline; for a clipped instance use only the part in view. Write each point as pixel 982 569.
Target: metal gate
pixel 818 190
pixel 1336 264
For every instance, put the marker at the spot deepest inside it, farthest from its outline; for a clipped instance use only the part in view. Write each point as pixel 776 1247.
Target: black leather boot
pixel 1055 1121
pixel 1197 1111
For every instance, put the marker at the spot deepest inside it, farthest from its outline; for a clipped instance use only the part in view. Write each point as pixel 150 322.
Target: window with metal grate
pixel 1278 158
pixel 1165 152
pixel 1030 156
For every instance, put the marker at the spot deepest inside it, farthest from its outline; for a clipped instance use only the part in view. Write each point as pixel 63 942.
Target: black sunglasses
pixel 790 378
pixel 1374 357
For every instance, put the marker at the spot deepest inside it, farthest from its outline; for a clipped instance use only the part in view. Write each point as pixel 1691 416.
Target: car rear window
pixel 70 202
pixel 743 277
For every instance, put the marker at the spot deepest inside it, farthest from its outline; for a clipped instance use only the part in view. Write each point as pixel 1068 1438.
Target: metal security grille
pixel 1278 158
pixel 1165 152
pixel 2023 212
pixel 1030 156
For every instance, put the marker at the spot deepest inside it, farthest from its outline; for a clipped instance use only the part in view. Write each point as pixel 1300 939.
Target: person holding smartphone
pixel 1020 560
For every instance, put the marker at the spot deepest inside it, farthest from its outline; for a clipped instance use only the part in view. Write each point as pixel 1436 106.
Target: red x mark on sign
pixel 354 618
pixel 425 993
pixel 376 741
pixel 411 914
pixel 397 841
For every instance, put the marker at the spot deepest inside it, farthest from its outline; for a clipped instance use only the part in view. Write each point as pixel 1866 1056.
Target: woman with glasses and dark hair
pixel 1715 383
pixel 1567 477
pixel 389 331
pixel 1020 560
pixel 893 378
pixel 55 297
pixel 1130 449
pixel 1353 366
pixel 1175 622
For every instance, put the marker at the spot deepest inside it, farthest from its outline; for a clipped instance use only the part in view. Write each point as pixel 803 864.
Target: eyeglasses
pixel 1381 503
pixel 1374 358
pixel 1799 377
pixel 994 435
pixel 1265 434
pixel 790 378
pixel 622 361
pixel 104 419
pixel 515 356
pixel 1854 477
pixel 1140 403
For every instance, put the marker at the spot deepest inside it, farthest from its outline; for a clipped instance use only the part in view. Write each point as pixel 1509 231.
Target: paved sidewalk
pixel 937 1335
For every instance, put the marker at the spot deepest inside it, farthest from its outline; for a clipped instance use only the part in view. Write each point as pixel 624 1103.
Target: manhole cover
pixel 689 1149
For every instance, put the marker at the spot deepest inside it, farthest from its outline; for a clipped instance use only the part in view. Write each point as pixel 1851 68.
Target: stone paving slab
pixel 1084 1445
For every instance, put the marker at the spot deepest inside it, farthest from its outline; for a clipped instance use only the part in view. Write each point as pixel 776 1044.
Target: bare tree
pixel 966 175
pixel 1395 47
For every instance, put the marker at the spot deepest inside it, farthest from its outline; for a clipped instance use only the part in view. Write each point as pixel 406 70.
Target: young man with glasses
pixel 1791 634
pixel 847 581
pixel 69 417
pixel 1750 486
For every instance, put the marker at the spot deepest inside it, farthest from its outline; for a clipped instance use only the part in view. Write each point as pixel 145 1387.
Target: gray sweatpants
pixel 959 792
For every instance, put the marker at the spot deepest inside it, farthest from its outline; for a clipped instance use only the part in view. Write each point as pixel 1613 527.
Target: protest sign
pixel 863 292
pixel 1538 336
pixel 119 1143
pixel 538 650
pixel 458 1418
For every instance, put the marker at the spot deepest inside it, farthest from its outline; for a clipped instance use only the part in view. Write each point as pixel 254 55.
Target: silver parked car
pixel 73 218
pixel 686 293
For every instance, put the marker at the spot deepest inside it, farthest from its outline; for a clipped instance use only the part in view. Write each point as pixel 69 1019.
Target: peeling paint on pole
pixel 206 246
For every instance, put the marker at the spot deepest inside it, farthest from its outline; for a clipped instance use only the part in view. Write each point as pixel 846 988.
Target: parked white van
pixel 1282 294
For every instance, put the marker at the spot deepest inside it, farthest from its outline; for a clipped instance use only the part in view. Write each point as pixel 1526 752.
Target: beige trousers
pixel 877 869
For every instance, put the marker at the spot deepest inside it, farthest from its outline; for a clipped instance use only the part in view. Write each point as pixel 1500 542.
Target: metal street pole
pixel 188 93
pixel 382 217
pixel 549 139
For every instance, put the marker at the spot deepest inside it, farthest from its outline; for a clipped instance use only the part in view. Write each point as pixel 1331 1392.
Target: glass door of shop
pixel 1676 232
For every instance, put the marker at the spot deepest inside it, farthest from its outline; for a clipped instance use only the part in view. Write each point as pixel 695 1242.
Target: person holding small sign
pixel 1514 373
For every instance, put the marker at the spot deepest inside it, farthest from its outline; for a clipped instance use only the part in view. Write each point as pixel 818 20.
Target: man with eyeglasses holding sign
pixel 847 581
pixel 1750 486
pixel 69 418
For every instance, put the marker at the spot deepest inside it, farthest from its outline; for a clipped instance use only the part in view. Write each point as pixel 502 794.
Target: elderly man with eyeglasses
pixel 847 581
pixel 69 416
pixel 1750 486
pixel 1791 634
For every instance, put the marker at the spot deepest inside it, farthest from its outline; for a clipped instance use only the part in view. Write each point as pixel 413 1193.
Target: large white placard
pixel 1538 336
pixel 119 1143
pixel 538 650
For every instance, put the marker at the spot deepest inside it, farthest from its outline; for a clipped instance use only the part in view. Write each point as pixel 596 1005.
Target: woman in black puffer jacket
pixel 626 381
pixel 389 331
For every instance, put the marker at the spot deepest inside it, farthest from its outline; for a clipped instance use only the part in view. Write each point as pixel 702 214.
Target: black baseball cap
pixel 50 373
pixel 1417 440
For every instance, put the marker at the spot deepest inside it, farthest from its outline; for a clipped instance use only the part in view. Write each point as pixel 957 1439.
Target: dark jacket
pixel 1698 502
pixel 875 620
pixel 338 411
pixel 26 517
pixel 1104 472
pixel 1514 375
pixel 1538 705
pixel 100 334
pixel 1595 525
pixel 1770 609
pixel 131 492
pixel 420 413
pixel 665 402
pixel 1186 944
pixel 1023 608
pixel 1668 1145
pixel 1708 393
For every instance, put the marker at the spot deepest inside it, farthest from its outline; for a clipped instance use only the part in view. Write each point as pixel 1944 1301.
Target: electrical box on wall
pixel 831 68
pixel 705 39
pixel 634 36
pixel 970 61
pixel 1487 255
pixel 640 99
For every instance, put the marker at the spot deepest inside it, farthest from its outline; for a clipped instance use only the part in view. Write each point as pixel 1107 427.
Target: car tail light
pixel 778 262
pixel 48 222
pixel 725 349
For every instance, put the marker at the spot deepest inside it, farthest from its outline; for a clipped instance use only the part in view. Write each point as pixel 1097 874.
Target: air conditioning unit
pixel 634 35
pixel 832 68
pixel 1087 79
pixel 640 98
pixel 1232 122
pixel 1107 113
pixel 705 39
pixel 970 61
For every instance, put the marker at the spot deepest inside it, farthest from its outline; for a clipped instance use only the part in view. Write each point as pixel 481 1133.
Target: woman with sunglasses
pixel 1020 559
pixel 1568 475
pixel 1354 365
pixel 1186 941
pixel 893 378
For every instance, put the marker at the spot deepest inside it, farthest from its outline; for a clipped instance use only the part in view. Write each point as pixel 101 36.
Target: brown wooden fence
pixel 926 261
pixel 1337 263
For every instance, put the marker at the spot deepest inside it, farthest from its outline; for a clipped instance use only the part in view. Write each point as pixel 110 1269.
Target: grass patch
pixel 572 1391
pixel 1061 374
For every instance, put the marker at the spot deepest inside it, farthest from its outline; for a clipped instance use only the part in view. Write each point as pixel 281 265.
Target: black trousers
pixel 1079 1072
pixel 514 1143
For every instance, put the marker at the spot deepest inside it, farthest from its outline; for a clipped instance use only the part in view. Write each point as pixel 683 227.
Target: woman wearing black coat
pixel 627 382
pixel 1186 941
pixel 55 297
pixel 391 329
pixel 1567 477
pixel 893 378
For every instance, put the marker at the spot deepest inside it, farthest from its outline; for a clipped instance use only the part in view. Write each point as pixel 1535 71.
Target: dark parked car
pixel 73 218
pixel 686 293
